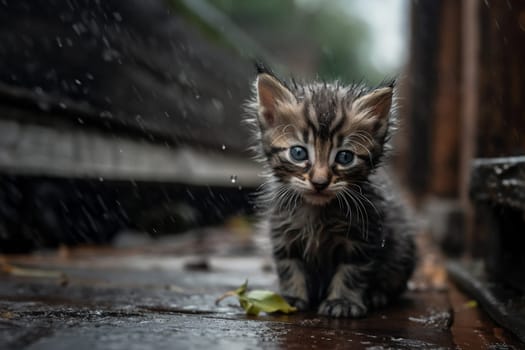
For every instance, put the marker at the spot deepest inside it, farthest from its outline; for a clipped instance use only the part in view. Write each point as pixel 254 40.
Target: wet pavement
pixel 161 295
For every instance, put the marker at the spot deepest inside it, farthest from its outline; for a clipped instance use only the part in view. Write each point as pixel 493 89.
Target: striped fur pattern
pixel 341 240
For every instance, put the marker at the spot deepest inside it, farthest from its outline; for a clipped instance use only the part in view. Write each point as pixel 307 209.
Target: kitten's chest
pixel 309 235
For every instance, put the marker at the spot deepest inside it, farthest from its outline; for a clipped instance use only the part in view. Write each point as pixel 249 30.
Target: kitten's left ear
pixel 375 106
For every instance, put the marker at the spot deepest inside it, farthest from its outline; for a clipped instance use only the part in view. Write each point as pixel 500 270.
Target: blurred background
pixel 126 115
pixel 121 120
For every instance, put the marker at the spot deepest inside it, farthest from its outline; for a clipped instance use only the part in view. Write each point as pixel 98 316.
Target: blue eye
pixel 344 157
pixel 298 153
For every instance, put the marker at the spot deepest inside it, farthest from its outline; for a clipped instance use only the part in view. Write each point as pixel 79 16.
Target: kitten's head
pixel 320 139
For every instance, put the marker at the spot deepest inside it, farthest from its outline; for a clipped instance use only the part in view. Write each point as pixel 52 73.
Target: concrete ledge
pixel 32 149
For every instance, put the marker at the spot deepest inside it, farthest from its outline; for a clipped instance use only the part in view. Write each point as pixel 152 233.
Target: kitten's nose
pixel 320 184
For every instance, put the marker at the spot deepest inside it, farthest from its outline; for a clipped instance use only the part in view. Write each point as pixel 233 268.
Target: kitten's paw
pixel 342 308
pixel 299 303
pixel 377 300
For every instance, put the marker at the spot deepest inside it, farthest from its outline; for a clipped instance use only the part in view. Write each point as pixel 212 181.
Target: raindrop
pixel 109 55
pixel 51 75
pixel 183 78
pixel 79 28
pixel 190 194
pixel 217 104
pixel 233 179
pixel 101 179
pixel 62 105
pixel 65 85
pixel 78 82
pixel 240 188
pixel 383 242
pixel 223 147
pixel 59 42
pixel 80 120
pixel 117 16
pixel 106 114
pixel 44 106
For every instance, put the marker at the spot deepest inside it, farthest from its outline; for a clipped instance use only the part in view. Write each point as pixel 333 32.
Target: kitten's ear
pixel 271 93
pixel 375 106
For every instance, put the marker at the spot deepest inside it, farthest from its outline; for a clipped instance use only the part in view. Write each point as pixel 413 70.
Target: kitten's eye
pixel 298 153
pixel 344 157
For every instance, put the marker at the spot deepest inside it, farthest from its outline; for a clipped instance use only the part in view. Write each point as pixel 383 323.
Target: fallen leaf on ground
pixel 256 301
pixel 470 304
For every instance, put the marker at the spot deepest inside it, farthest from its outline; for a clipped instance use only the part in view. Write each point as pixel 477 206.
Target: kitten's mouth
pixel 318 198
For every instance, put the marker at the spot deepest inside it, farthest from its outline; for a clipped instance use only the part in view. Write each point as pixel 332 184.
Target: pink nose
pixel 320 184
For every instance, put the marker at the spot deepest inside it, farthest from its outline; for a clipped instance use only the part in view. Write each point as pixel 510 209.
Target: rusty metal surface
pixel 160 295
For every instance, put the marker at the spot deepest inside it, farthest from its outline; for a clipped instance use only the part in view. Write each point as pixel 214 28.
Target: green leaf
pixel 268 301
pixel 471 304
pixel 242 289
pixel 255 301
pixel 249 307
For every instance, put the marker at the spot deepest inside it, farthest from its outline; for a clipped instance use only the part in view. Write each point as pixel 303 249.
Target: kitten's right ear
pixel 270 94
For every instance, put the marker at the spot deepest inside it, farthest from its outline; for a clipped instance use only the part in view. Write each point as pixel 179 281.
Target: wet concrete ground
pixel 160 295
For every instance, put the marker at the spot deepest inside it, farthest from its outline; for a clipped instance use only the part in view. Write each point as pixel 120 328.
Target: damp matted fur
pixel 341 239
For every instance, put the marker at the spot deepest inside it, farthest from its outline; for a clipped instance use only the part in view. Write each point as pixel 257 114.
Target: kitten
pixel 341 241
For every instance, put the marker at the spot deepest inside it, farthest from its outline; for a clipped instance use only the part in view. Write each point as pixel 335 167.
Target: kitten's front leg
pixel 292 282
pixel 345 293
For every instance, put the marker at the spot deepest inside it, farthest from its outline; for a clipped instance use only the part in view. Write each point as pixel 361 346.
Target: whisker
pixel 340 198
pixel 367 183
pixel 362 196
pixel 361 211
pixel 366 219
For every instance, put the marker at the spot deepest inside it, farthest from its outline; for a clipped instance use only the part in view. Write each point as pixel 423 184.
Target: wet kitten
pixel 341 241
